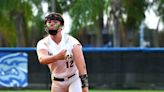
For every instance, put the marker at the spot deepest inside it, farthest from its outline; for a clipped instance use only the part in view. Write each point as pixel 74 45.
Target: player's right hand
pixel 61 54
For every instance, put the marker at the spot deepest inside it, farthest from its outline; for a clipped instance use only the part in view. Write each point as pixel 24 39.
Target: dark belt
pixel 62 79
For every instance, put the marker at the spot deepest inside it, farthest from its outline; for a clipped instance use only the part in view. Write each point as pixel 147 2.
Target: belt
pixel 63 79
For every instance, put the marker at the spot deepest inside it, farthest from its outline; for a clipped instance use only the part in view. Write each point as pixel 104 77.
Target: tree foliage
pixel 134 9
pixel 13 12
pixel 15 18
pixel 160 8
pixel 19 24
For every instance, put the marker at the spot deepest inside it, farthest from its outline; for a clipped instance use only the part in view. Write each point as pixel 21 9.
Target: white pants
pixel 71 85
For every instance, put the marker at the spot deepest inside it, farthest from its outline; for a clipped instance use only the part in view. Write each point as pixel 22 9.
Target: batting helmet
pixel 55 16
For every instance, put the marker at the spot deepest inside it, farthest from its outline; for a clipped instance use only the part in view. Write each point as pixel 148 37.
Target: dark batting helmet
pixel 55 16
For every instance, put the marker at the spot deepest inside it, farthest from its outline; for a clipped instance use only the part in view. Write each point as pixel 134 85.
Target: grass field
pixel 89 90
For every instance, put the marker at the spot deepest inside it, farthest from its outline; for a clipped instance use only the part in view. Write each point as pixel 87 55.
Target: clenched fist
pixel 61 54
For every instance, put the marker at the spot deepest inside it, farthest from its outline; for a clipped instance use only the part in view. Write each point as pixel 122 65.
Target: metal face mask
pixel 54 30
pixel 50 28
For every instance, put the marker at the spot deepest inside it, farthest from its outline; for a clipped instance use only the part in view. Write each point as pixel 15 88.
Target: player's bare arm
pixel 80 62
pixel 79 59
pixel 45 58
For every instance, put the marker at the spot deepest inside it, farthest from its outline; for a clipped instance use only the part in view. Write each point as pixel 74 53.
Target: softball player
pixel 64 57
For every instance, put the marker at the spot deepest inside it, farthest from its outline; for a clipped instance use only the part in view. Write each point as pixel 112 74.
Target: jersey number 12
pixel 69 64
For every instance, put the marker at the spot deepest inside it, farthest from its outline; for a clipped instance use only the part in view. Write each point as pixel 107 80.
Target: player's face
pixel 53 24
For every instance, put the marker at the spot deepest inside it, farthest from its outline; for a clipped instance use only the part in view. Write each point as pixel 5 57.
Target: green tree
pixel 85 13
pixel 90 12
pixel 14 17
pixel 135 12
pixel 159 11
pixel 17 21
pixel 19 26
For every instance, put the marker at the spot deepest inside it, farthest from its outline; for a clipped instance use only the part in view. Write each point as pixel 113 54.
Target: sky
pixel 152 20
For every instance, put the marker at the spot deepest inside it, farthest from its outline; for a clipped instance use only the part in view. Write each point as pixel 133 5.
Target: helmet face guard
pixel 53 16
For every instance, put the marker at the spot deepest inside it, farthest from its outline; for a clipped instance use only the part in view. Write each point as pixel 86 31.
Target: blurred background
pixel 100 23
pixel 123 41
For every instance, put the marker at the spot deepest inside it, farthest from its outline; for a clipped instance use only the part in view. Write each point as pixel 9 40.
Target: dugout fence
pixel 108 68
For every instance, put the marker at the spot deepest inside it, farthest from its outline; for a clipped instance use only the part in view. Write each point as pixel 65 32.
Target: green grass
pixel 89 90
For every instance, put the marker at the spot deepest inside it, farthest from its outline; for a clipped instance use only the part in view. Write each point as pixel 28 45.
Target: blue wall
pixel 111 68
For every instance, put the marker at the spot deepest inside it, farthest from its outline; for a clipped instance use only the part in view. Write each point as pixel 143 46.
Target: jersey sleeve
pixel 41 45
pixel 74 42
